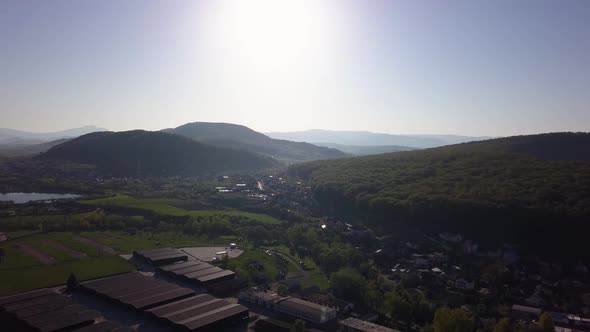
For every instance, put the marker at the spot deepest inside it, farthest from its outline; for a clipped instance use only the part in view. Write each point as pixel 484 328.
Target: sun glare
pixel 273 33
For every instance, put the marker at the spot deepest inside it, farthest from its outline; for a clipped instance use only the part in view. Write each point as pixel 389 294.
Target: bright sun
pixel 273 33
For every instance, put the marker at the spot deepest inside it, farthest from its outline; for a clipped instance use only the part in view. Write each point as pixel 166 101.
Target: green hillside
pixel 144 153
pixel 511 186
pixel 244 138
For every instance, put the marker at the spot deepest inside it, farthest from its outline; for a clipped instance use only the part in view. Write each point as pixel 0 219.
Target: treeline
pixel 212 226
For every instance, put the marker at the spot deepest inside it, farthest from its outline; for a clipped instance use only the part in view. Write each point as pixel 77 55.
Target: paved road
pixel 304 274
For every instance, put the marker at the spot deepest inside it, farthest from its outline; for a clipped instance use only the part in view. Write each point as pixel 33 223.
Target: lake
pixel 20 198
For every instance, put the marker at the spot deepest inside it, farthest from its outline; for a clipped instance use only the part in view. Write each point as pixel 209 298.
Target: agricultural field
pixel 37 260
pixel 174 207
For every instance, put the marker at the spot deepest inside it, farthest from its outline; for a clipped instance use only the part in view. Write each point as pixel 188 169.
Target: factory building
pixel 197 272
pixel 179 308
pixel 163 256
pixel 289 306
pixel 47 311
pixel 356 325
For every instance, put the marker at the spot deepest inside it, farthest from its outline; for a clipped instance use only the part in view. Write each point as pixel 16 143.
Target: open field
pixel 174 207
pixel 126 243
pixel 272 264
pixel 61 255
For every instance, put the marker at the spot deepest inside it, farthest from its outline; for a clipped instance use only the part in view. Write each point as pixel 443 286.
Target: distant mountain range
pixel 19 150
pixel 243 138
pixel 295 148
pixel 366 150
pixel 19 137
pixel 365 138
pixel 145 154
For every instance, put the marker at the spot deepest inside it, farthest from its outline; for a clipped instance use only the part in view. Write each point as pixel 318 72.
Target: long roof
pixel 364 326
pixel 198 311
pixel 166 301
pixel 296 304
pixel 46 310
pixel 197 270
pixel 137 290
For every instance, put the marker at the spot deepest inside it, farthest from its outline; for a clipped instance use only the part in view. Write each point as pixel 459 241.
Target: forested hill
pixel 244 138
pixel 143 153
pixel 506 185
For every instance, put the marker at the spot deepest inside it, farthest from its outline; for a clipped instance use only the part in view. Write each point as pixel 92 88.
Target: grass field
pixel 127 243
pixel 272 264
pixel 22 272
pixel 173 207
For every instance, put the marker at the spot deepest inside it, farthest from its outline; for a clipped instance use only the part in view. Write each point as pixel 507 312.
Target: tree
pixel 398 308
pixel 348 284
pixel 453 320
pixel 282 290
pixel 2 254
pixel 503 325
pixel 546 322
pixel 72 282
pixel 298 326
pixel 224 262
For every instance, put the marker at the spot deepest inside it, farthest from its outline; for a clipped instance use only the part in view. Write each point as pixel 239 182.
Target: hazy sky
pixel 447 67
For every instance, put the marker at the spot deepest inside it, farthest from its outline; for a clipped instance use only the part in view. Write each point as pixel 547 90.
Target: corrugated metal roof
pixel 220 274
pixel 364 326
pixel 24 296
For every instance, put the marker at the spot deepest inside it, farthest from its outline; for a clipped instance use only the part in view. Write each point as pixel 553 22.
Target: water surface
pixel 20 198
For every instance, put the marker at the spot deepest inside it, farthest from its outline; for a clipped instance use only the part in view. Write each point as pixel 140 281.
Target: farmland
pixel 175 207
pixel 21 271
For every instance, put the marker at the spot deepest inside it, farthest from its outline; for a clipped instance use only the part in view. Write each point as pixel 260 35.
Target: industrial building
pixel 356 325
pixel 163 256
pixel 178 307
pixel 136 290
pixel 46 310
pixel 200 273
pixel 201 313
pixel 289 306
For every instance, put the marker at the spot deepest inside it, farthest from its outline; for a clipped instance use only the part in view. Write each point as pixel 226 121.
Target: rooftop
pixel 364 326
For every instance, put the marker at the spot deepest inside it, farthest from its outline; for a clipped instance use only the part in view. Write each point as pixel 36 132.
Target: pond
pixel 20 198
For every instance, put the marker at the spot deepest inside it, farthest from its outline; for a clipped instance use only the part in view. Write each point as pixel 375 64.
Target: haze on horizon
pixel 492 68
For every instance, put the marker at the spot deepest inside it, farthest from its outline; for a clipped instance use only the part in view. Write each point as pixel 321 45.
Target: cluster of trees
pixel 459 320
pixel 502 183
pixel 213 226
pixel 354 279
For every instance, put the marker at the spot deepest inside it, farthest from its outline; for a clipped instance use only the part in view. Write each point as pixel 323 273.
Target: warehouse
pixel 289 306
pixel 136 290
pixel 169 303
pixel 356 325
pixel 202 313
pixel 159 257
pixel 308 311
pixel 45 310
pixel 200 273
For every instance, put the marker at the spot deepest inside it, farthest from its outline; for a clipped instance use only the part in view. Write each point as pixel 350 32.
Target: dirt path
pixel 43 258
pixel 69 251
pixel 97 245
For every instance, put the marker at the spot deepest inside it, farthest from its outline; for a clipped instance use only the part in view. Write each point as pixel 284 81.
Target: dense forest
pixel 531 188
pixel 143 154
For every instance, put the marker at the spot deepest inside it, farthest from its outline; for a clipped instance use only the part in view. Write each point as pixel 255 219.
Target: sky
pixel 470 67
